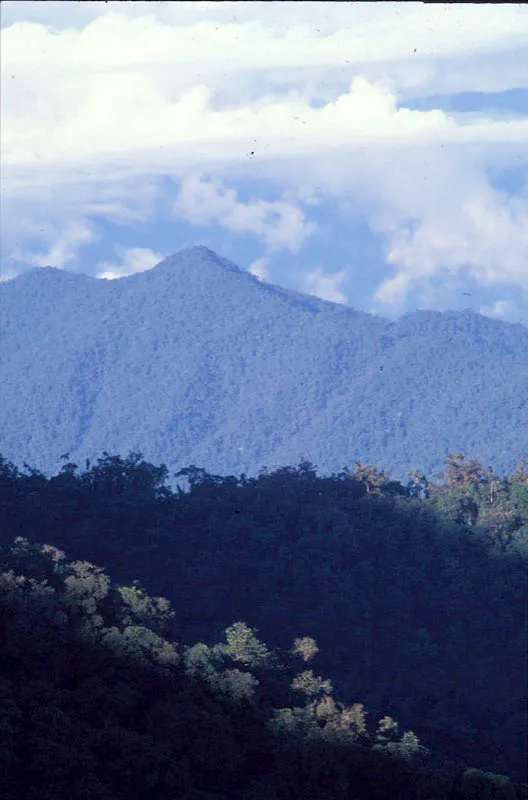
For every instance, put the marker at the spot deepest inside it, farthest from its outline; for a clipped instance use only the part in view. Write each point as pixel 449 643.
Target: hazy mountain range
pixel 198 362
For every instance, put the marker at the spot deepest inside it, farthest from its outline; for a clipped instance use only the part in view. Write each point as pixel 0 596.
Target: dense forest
pixel 197 362
pixel 126 670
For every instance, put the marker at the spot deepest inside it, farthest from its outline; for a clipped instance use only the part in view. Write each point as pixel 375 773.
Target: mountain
pixel 198 362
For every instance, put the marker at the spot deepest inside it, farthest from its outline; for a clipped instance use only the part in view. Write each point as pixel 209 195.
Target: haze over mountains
pixel 198 362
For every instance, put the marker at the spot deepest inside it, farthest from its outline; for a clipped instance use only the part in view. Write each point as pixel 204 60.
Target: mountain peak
pixel 199 250
pixel 197 256
pixel 48 275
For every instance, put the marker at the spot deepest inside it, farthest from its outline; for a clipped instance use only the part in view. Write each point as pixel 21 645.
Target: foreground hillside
pixel 416 594
pixel 96 703
pixel 197 362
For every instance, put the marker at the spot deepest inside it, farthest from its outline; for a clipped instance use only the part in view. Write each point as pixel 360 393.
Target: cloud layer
pixel 312 103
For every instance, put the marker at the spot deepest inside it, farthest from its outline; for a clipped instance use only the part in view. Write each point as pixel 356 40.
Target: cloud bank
pixel 104 105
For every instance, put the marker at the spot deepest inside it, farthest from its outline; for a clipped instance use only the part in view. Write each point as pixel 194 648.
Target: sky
pixel 372 154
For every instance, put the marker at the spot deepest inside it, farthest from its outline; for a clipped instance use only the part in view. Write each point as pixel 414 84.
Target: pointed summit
pixel 195 258
pixel 199 250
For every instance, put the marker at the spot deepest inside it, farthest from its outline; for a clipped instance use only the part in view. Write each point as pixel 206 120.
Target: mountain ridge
pixel 197 361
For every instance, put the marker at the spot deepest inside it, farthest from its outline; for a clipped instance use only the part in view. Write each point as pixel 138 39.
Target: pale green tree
pixel 244 646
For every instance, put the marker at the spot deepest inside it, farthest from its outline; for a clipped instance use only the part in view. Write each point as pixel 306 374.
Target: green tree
pixel 310 685
pixel 459 473
pixel 200 662
pixel 154 612
pixel 141 645
pixel 387 730
pixel 520 475
pixel 479 785
pixel 305 647
pixel 85 589
pixel 244 646
pixel 238 686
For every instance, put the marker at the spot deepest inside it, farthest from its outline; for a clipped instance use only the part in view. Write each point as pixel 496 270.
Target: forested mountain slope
pixel 198 362
pixel 96 704
pixel 416 594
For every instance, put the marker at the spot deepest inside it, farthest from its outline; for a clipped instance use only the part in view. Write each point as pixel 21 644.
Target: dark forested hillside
pixel 416 594
pixel 96 703
pixel 198 362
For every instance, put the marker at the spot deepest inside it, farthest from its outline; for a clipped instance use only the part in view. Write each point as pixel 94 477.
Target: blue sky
pixel 374 154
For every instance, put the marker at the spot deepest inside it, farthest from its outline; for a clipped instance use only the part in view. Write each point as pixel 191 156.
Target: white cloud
pixel 500 309
pixel 110 121
pixel 136 259
pixel 259 268
pixel 326 286
pixel 65 247
pixel 279 224
pixel 392 292
pixel 445 215
pixel 320 34
pixel 136 85
pixel 101 100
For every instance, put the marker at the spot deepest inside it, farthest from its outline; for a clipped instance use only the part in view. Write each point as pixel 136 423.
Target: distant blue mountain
pixel 198 362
